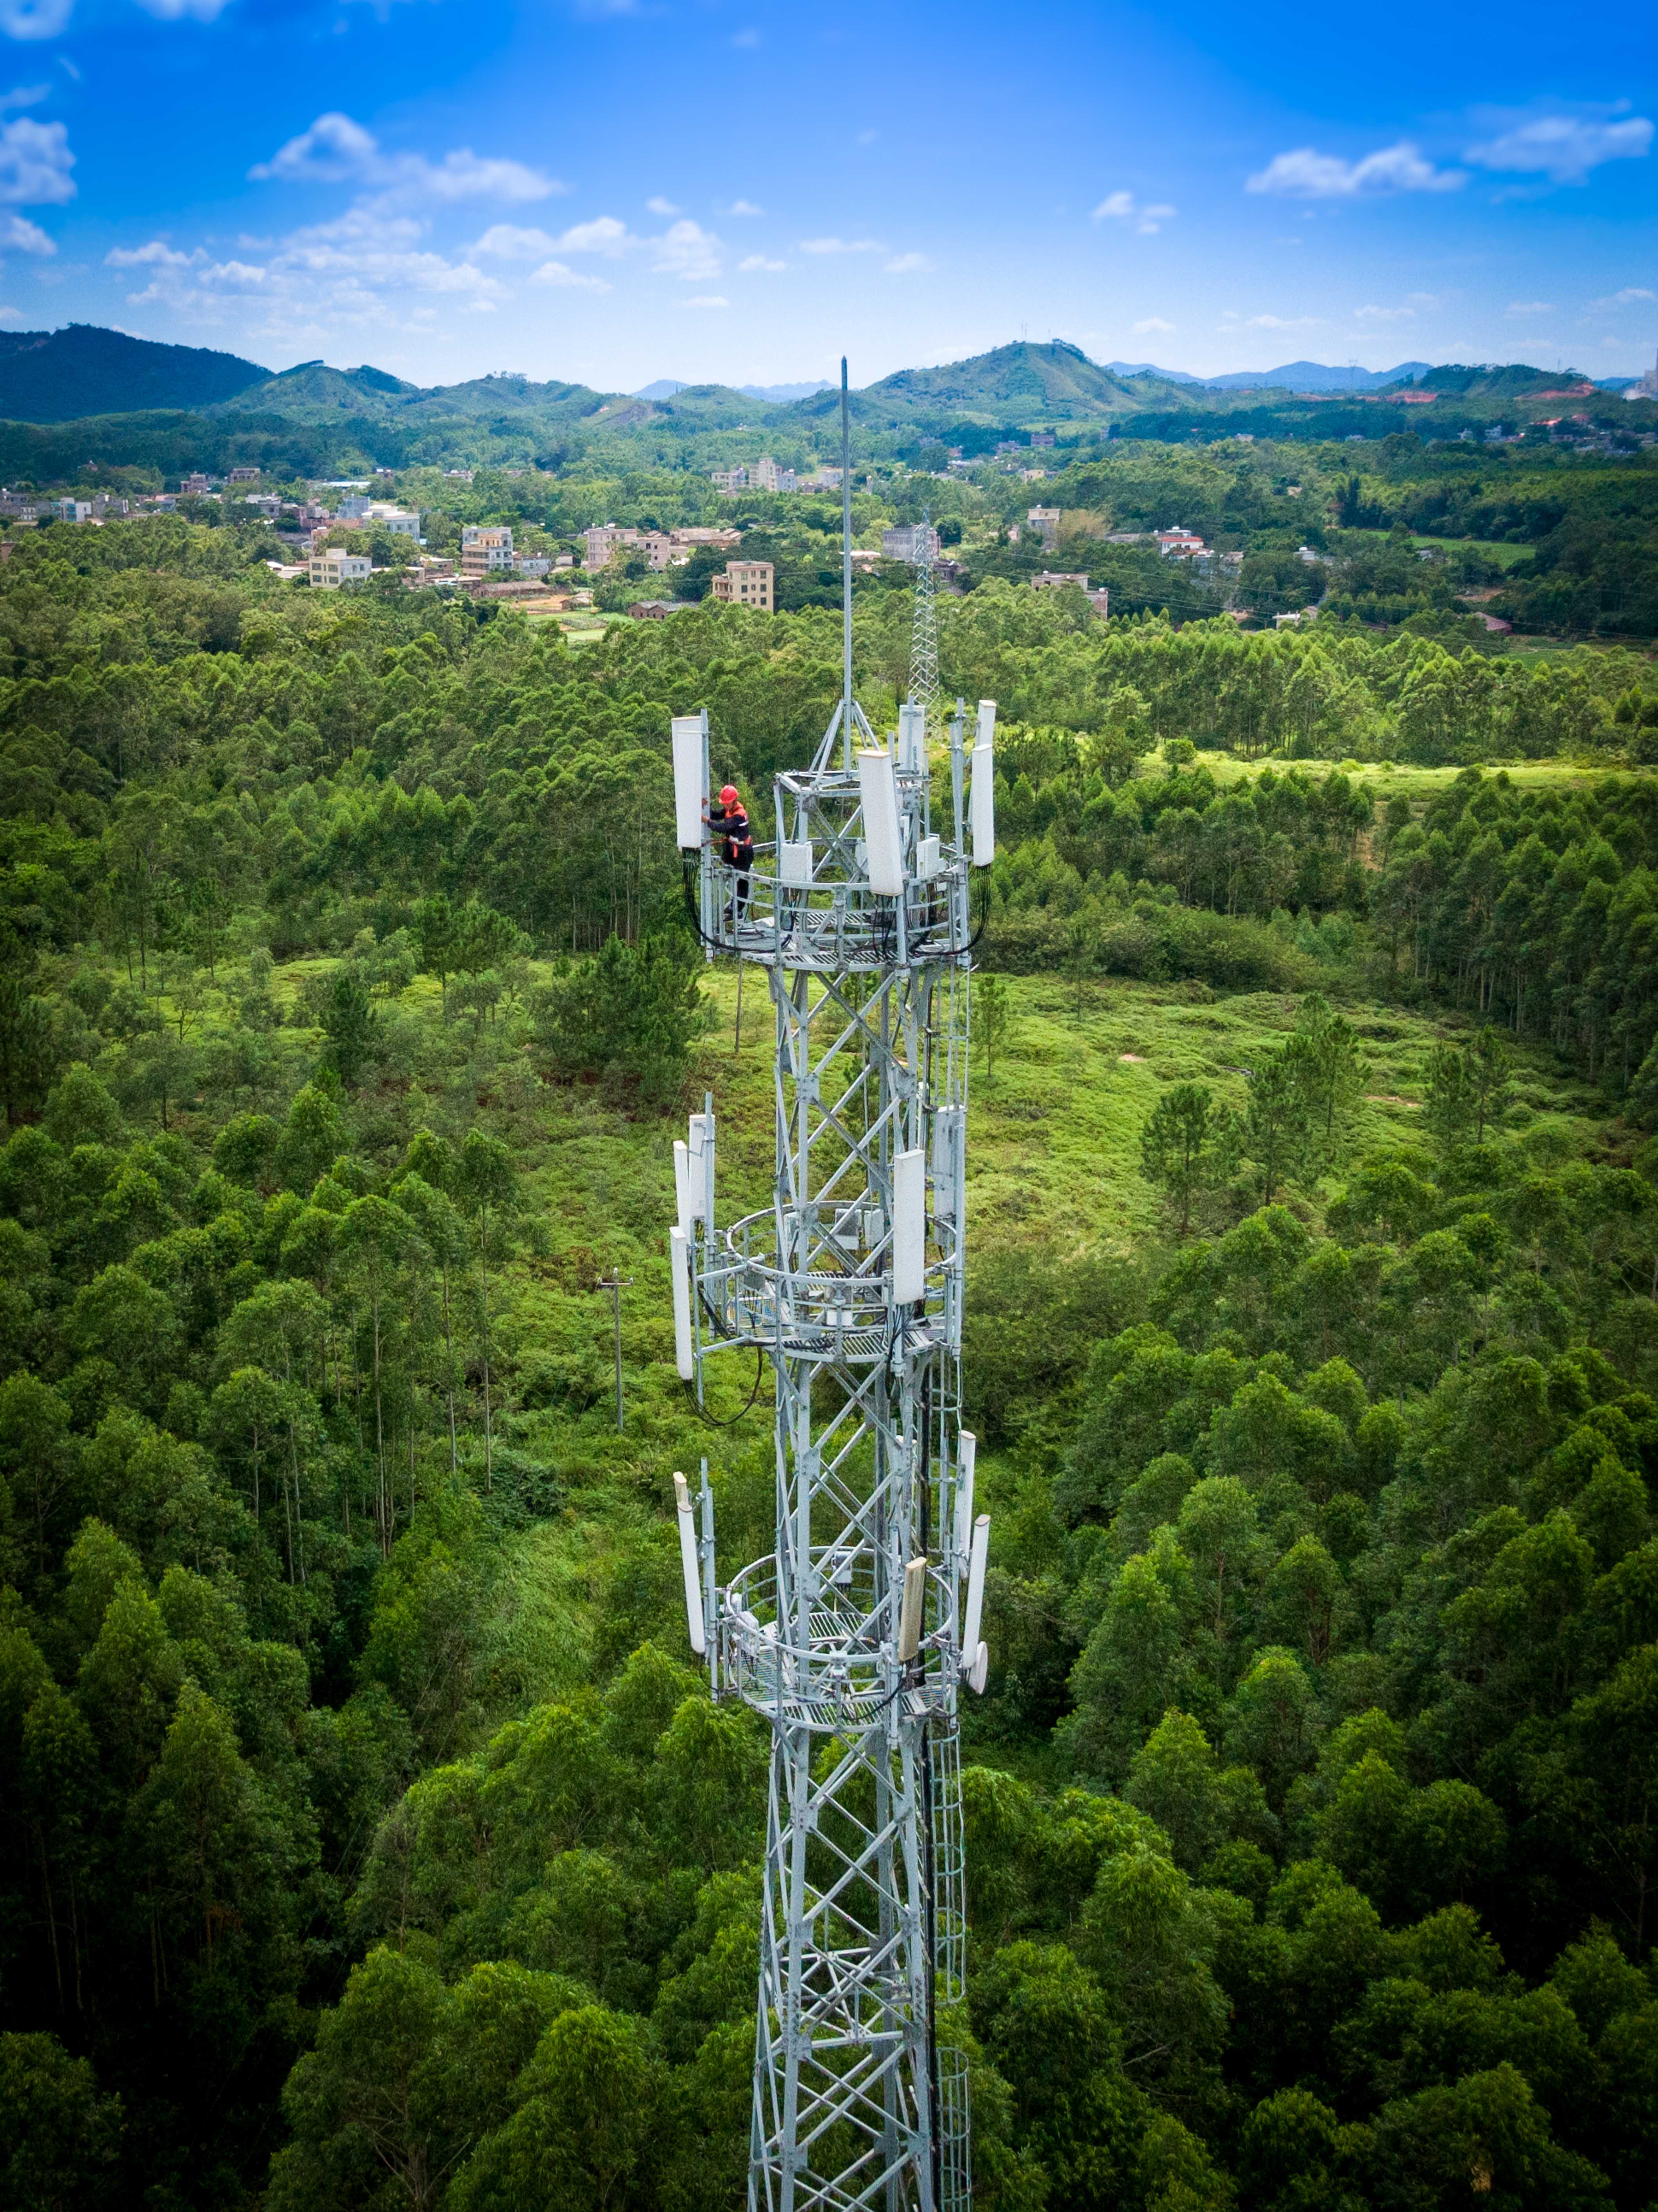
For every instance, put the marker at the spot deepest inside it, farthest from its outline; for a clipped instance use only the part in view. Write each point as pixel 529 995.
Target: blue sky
pixel 611 191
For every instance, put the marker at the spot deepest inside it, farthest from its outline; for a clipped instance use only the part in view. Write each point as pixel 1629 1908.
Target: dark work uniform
pixel 731 826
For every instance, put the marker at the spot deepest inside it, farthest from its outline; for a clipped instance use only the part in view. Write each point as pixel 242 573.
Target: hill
pixel 313 392
pixel 1015 386
pixel 58 376
pixel 1316 376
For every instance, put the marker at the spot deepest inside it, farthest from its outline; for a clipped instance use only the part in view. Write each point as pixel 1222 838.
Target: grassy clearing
pixel 1385 778
pixel 1053 1153
pixel 1490 549
pixel 1053 1161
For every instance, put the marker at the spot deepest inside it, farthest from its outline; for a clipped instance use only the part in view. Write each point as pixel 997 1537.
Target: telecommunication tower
pixel 924 632
pixel 851 1637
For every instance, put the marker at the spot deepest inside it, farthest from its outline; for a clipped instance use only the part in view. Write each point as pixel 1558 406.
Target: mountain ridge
pixel 83 369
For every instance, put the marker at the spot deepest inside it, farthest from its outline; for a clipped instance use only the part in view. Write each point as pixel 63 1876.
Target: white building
pixel 601 542
pixel 1180 544
pixel 1045 520
pixel 486 551
pixel 72 510
pixel 397 521
pixel 763 475
pixel 333 566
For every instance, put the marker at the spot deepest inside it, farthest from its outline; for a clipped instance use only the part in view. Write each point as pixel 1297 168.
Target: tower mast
pixel 851 1636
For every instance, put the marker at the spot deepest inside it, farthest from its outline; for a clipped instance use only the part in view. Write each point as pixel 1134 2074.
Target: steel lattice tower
pixel 851 1637
pixel 924 634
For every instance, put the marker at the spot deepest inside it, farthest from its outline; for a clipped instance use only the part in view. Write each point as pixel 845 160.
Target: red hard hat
pixel 728 796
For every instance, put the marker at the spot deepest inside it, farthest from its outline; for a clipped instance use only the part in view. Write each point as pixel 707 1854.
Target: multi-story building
pixel 486 549
pixel 197 483
pixel 72 510
pixel 244 476
pixel 1180 544
pixel 909 541
pixel 746 584
pixel 333 566
pixel 601 542
pixel 532 564
pixel 1045 521
pixel 397 521
pixel 763 475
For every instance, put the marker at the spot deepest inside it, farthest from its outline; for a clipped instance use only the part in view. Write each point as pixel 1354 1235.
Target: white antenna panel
pixel 908 1227
pixel 679 1256
pixel 690 786
pixel 912 738
pixel 983 807
pixel 877 790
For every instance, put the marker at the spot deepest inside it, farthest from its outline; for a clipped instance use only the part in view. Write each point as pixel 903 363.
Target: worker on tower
pixel 730 823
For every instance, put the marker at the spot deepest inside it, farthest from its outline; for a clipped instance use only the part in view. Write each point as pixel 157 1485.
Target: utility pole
pixel 851 1638
pixel 615 1283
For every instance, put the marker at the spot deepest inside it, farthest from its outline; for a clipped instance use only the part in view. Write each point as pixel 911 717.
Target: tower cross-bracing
pixel 851 1637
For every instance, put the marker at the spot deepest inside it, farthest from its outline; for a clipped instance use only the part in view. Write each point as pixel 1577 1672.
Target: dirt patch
pixel 1133 1059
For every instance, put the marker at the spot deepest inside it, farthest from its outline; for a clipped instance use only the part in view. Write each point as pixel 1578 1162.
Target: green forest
pixel 369 1839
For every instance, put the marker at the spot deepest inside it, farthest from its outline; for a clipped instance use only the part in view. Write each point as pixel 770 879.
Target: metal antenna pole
pixel 852 1636
pixel 846 571
pixel 924 631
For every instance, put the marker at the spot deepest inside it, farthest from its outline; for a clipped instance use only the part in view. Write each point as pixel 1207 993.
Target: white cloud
pixel 507 242
pixel 1384 314
pixel 659 206
pixel 909 264
pixel 173 11
pixel 337 150
pixel 11 318
pixel 362 271
pixel 744 207
pixel 560 273
pixel 746 38
pixel 1563 148
pixel 705 300
pixel 23 96
pixel 1123 207
pixel 1530 308
pixel 841 246
pixel 1231 321
pixel 333 150
pixel 752 263
pixel 34 19
pixel 685 250
pixel 35 163
pixel 1149 322
pixel 1627 297
pixel 19 235
pixel 603 235
pixel 157 254
pixel 1307 175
